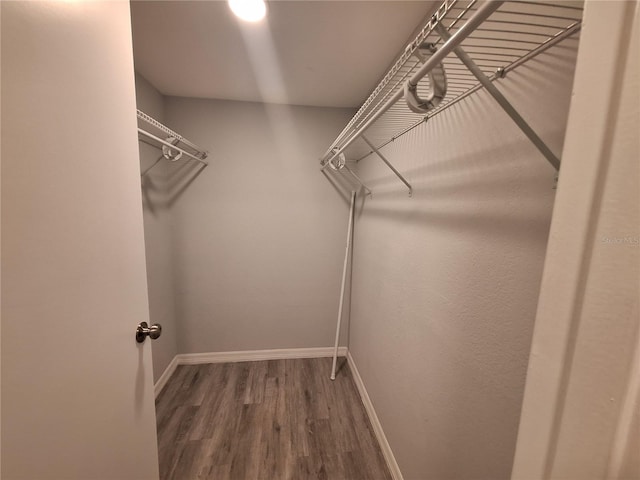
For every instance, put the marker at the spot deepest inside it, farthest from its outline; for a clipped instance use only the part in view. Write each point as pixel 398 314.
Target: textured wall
pixel 156 194
pixel 445 283
pixel 258 234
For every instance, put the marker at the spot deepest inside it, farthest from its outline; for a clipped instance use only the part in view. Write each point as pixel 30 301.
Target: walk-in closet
pixel 333 240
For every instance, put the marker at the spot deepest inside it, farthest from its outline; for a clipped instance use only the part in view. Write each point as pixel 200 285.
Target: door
pixel 77 393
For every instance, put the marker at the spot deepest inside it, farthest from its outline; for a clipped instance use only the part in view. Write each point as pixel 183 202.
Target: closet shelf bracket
pixel 338 164
pixel 501 99
pixel 388 164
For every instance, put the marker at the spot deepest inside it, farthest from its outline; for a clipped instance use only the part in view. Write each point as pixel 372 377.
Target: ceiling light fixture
pixel 248 10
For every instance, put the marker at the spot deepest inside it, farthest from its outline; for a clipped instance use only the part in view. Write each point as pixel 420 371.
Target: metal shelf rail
pixel 173 147
pixel 476 43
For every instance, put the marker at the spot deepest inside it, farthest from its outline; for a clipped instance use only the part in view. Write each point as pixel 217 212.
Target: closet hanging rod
pixel 463 32
pixel 550 42
pixel 440 13
pixel 153 122
pixel 171 146
pixel 365 110
pixel 497 46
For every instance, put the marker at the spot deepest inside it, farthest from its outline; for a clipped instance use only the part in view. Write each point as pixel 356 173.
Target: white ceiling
pixel 321 53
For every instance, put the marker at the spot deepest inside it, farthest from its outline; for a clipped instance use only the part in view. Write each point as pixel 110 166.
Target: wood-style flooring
pixel 271 420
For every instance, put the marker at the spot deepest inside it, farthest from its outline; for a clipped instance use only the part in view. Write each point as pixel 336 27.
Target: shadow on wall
pixel 341 185
pixel 163 181
pixel 472 156
pixel 462 193
pixel 447 280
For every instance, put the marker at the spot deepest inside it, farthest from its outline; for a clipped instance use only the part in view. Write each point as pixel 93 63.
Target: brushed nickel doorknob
pixel 144 330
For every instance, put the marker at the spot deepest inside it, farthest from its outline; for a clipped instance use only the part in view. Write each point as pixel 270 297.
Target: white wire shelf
pixel 174 146
pixel 515 33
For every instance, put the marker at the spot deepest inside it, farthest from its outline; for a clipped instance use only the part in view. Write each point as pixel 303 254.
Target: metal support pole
pixel 344 284
pixel 500 98
pixel 366 140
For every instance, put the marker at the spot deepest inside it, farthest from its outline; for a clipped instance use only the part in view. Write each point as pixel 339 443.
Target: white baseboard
pixel 242 356
pixel 256 355
pixel 375 422
pixel 166 375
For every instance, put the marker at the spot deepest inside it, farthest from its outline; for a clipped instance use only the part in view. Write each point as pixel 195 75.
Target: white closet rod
pixel 543 47
pixel 171 146
pixel 172 142
pixel 153 122
pixel 463 32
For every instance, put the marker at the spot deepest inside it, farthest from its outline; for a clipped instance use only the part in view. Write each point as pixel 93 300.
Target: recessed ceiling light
pixel 248 10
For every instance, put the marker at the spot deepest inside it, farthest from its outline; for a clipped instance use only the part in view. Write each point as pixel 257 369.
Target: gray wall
pixel 157 233
pixel 258 236
pixel 245 254
pixel 445 283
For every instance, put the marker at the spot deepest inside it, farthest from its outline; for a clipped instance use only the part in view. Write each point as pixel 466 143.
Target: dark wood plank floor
pixel 276 419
